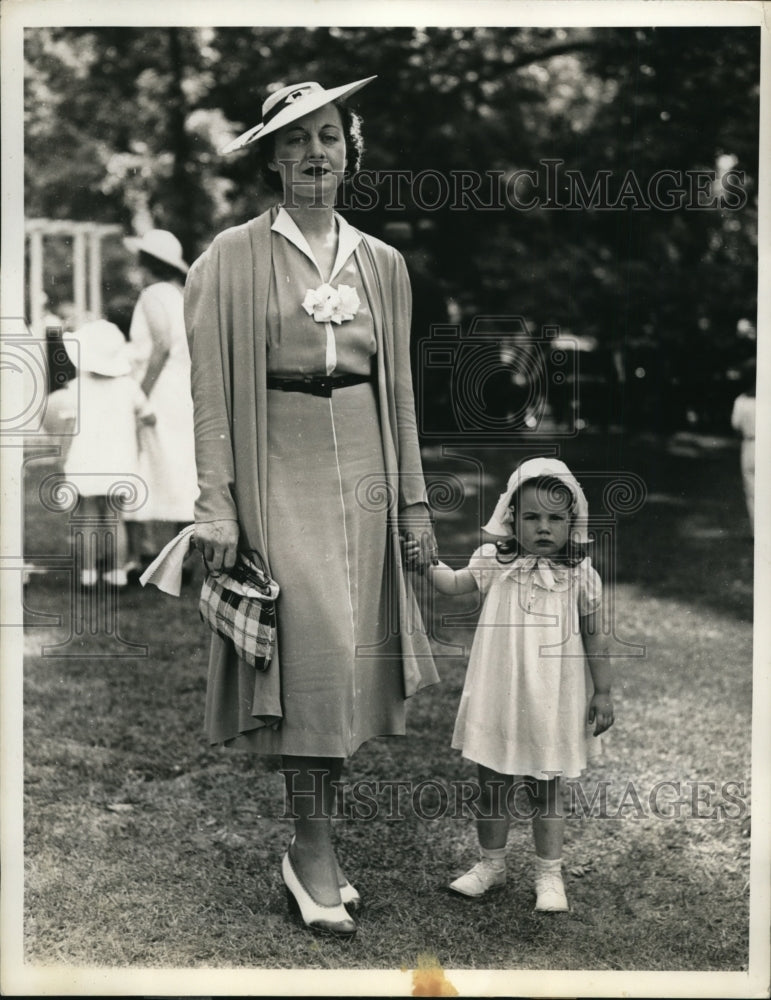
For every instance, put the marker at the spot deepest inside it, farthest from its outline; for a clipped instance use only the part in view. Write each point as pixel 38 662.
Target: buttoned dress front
pixel 315 482
pixel 524 706
pixel 341 680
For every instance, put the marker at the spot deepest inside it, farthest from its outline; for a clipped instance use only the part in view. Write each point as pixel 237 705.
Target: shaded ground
pixel 144 846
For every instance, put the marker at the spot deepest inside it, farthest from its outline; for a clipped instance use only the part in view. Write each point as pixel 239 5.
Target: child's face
pixel 542 519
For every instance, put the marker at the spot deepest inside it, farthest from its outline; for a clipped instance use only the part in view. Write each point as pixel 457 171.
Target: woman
pixel 307 452
pixel 162 367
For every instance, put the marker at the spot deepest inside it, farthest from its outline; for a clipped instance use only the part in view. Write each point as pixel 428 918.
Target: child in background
pixel 538 673
pixel 103 454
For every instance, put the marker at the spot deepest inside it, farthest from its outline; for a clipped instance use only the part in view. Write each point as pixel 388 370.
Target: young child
pixel 109 404
pixel 538 672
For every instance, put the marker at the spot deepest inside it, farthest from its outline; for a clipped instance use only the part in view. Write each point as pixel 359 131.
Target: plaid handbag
pixel 241 606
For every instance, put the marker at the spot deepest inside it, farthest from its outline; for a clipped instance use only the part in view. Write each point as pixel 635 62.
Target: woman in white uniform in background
pixel 162 367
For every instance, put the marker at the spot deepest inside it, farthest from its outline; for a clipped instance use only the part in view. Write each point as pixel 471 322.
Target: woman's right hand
pixel 217 541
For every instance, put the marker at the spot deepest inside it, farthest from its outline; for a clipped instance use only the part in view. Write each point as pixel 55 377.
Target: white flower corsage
pixel 331 305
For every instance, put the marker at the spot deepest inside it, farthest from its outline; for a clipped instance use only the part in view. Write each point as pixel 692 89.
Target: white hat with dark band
pixel 291 103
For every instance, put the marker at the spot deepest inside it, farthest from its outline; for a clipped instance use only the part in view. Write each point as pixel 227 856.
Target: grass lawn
pixel 144 846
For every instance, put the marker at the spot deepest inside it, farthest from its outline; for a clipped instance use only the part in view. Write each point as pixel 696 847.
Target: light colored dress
pixel 524 705
pixel 743 420
pixel 340 671
pixel 103 452
pixel 167 449
pixel 316 484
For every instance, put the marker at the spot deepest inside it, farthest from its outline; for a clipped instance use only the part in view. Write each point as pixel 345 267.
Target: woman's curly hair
pixel 554 488
pixel 354 148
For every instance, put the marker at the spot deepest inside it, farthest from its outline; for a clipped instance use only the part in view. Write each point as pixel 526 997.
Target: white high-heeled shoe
pixel 324 919
pixel 349 897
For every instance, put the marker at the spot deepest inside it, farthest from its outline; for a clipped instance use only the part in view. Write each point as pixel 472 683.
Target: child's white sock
pixel 496 856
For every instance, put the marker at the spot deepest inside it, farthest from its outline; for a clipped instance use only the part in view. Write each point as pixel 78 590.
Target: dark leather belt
pixel 316 385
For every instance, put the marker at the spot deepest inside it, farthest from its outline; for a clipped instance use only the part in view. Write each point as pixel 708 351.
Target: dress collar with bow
pixel 545 573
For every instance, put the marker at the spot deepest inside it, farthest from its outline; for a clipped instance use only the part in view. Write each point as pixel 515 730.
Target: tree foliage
pixel 123 125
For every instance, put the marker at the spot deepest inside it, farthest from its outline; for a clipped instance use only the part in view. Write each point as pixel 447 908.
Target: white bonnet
pixel 534 468
pixel 98 346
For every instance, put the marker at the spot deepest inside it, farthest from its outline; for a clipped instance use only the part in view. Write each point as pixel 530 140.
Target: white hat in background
pixel 99 347
pixel 291 103
pixel 162 245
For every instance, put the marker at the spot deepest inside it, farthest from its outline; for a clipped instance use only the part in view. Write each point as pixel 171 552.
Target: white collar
pixel 347 238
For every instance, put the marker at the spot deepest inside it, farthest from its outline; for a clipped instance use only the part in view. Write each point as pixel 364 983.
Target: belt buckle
pixel 321 385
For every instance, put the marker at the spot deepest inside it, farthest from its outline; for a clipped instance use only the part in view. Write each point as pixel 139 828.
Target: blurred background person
pixel 743 421
pixel 162 368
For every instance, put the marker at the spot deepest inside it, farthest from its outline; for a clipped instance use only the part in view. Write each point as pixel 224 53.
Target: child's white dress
pixel 525 701
pixel 103 453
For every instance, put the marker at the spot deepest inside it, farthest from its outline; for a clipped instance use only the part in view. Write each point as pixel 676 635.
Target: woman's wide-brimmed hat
pixel 99 347
pixel 501 521
pixel 162 245
pixel 291 103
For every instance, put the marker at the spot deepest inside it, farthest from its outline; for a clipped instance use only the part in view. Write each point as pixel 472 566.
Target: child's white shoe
pixel 485 875
pixel 116 578
pixel 549 887
pixel 89 577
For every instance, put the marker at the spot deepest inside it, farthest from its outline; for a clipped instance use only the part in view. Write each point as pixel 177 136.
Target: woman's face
pixel 542 518
pixel 309 154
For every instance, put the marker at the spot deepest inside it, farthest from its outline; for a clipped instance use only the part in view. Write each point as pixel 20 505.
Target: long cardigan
pixel 226 298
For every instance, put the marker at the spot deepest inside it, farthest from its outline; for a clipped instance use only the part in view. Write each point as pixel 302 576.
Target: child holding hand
pixel 538 675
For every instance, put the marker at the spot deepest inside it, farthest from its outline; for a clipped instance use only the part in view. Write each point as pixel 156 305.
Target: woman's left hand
pixel 415 521
pixel 411 549
pixel 601 713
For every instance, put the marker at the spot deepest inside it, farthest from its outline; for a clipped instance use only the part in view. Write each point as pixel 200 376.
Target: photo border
pixel 18 977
